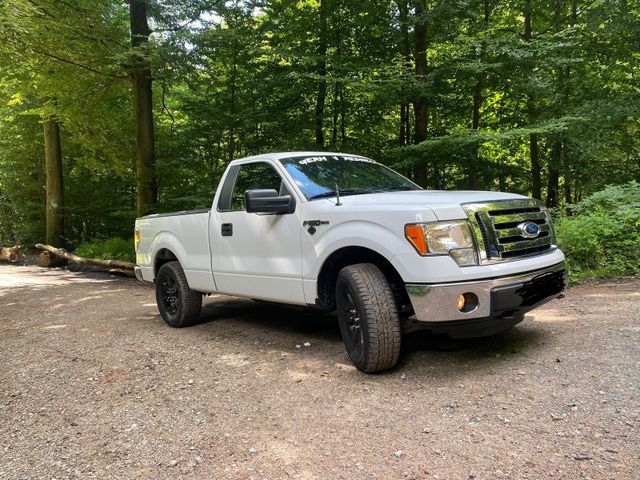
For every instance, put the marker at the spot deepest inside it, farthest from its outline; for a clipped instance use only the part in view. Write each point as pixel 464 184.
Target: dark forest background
pixel 111 109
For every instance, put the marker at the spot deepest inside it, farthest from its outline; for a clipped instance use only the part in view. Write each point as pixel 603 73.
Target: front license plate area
pixel 527 295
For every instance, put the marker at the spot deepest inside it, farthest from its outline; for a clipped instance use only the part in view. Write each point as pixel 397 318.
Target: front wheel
pixel 179 306
pixel 368 317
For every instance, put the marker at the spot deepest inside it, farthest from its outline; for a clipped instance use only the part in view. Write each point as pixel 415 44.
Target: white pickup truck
pixel 342 232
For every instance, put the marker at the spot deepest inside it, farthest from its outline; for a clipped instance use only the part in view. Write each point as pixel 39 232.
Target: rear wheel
pixel 368 317
pixel 179 306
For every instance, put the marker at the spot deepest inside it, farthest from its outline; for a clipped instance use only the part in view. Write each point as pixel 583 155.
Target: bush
pixel 602 237
pixel 109 249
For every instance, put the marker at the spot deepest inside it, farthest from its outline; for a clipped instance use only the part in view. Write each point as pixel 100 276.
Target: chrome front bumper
pixel 516 293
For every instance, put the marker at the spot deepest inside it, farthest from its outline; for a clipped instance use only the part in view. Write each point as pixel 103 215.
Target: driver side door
pixel 256 255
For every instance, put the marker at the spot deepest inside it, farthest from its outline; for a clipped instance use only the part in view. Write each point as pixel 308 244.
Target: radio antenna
pixel 338 196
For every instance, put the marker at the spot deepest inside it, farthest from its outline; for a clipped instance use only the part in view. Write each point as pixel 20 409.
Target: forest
pixel 114 109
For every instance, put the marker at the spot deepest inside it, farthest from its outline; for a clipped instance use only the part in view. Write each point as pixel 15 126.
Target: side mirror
pixel 268 201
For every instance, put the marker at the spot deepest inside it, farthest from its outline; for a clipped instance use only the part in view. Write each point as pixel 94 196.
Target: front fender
pixel 354 233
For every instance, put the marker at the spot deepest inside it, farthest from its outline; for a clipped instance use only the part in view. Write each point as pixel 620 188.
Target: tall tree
pixel 478 98
pixel 566 158
pixel 534 148
pixel 557 140
pixel 146 182
pixel 55 191
pixel 421 105
pixel 321 72
pixel 404 134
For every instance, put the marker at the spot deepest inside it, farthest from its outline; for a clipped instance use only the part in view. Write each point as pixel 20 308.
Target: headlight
pixel 443 238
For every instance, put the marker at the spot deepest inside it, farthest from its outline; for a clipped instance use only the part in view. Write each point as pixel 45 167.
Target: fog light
pixel 467 302
pixel 460 302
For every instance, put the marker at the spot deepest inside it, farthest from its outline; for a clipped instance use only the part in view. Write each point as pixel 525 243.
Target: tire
pixel 179 306
pixel 368 317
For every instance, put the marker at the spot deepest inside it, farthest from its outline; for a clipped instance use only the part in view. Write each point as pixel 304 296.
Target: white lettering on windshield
pixel 309 160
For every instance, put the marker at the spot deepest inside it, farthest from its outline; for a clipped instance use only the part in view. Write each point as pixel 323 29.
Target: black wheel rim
pixel 353 324
pixel 170 294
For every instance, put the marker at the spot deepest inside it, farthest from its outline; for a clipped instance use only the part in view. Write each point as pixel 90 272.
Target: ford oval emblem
pixel 529 229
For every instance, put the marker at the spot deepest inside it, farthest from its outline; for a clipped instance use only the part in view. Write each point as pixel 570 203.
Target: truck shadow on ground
pixel 250 321
pixel 273 317
pixel 263 319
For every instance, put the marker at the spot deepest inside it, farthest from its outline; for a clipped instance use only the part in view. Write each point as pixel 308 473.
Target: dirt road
pixel 94 385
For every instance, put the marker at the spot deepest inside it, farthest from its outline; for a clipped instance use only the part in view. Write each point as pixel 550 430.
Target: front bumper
pixel 502 297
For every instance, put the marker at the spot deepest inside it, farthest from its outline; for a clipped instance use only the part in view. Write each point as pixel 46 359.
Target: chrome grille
pixel 498 233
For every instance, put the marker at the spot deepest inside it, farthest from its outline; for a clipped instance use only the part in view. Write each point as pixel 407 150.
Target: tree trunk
pixel 54 212
pixel 343 115
pixel 477 104
pixel 534 151
pixel 404 134
pixel 147 190
pixel 337 104
pixel 552 181
pixel 566 158
pixel 553 178
pixel 566 174
pixel 232 102
pixel 70 257
pixel 335 111
pixel 421 105
pixel 322 74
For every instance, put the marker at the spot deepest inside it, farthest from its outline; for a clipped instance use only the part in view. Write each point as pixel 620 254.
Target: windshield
pixel 319 176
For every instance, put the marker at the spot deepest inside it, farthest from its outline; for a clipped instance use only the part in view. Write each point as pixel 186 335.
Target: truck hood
pixel 444 203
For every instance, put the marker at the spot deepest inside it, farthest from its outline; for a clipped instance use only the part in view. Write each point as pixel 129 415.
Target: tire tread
pixel 381 314
pixel 191 300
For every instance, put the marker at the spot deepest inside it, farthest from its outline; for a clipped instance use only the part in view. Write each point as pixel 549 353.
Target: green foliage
pixel 602 238
pixel 110 249
pixel 232 79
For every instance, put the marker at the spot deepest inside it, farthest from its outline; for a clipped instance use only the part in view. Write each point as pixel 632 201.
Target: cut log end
pixel 49 260
pixel 11 254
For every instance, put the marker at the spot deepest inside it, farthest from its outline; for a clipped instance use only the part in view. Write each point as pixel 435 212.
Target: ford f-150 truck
pixel 343 232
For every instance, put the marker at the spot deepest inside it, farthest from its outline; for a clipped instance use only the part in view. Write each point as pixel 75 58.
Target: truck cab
pixel 342 232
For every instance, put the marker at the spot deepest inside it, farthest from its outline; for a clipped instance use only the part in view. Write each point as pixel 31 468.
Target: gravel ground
pixel 94 385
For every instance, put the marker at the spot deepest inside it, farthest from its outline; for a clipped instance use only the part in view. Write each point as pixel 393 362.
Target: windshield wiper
pixel 397 188
pixel 346 191
pixel 401 188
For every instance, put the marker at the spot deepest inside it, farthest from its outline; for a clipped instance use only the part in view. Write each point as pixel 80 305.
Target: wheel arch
pixel 162 256
pixel 351 255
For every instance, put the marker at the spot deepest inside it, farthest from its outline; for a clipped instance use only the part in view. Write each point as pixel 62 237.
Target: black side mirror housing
pixel 268 201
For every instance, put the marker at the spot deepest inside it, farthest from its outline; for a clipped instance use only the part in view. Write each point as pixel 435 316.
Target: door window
pixel 254 176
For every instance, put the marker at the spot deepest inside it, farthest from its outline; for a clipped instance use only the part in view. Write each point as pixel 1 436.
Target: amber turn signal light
pixel 415 235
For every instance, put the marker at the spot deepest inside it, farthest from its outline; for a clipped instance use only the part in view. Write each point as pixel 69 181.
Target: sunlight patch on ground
pixel 12 276
pixel 85 299
pixel 621 293
pixel 551 315
pixel 54 327
pixel 235 360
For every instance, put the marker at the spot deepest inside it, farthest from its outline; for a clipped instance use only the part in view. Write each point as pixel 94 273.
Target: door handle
pixel 226 229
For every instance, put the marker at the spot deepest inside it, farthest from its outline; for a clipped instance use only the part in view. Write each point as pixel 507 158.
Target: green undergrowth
pixel 109 249
pixel 601 235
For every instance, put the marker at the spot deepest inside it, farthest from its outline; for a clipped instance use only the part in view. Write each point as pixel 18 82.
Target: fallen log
pixel 70 257
pixel 49 260
pixel 10 254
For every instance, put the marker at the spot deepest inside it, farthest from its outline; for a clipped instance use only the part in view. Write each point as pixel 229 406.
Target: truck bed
pixel 191 229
